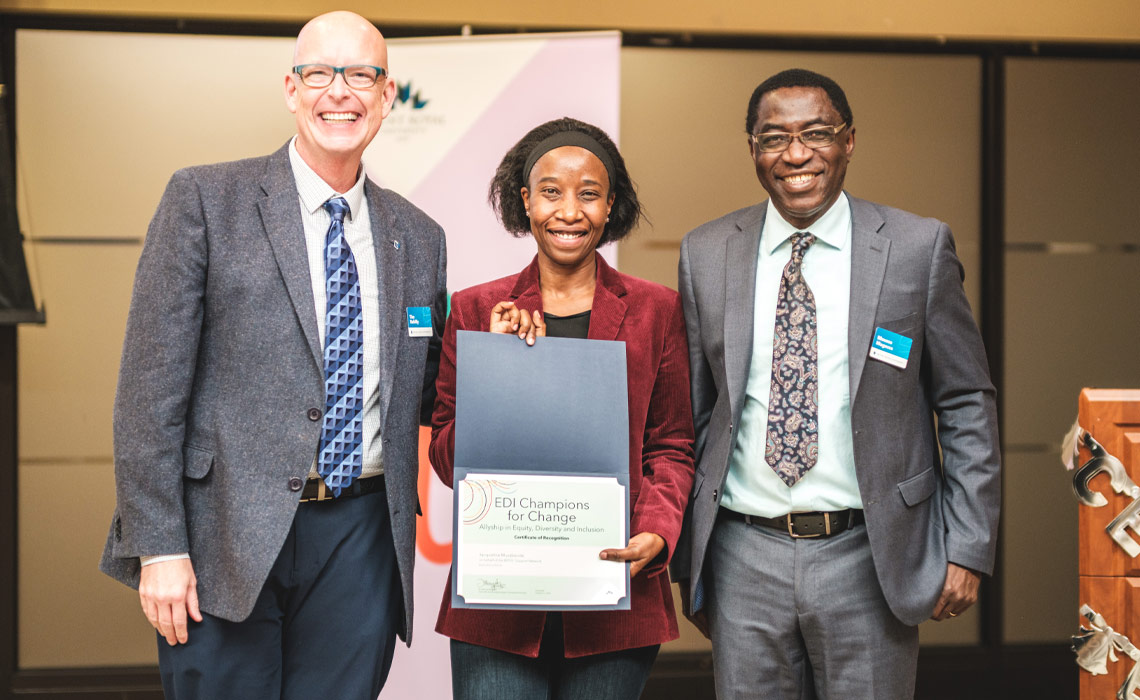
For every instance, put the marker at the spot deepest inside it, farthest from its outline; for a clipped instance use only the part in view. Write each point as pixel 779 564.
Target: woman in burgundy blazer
pixel 563 170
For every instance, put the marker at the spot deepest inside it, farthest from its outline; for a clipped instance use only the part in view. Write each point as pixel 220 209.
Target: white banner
pixel 462 103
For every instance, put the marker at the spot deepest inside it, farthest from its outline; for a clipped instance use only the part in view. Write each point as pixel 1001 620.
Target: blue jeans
pixel 480 673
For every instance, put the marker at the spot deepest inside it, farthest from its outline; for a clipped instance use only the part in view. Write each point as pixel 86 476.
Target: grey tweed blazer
pixel 931 491
pixel 221 383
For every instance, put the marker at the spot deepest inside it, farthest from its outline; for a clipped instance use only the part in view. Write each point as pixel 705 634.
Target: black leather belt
pixel 801 525
pixel 315 489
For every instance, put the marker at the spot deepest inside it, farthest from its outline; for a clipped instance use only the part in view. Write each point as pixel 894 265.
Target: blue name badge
pixel 889 347
pixel 419 321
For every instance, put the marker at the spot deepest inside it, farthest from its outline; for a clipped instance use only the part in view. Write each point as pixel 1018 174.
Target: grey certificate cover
pixel 557 407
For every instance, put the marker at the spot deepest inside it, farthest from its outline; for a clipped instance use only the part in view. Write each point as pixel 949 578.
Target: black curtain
pixel 17 305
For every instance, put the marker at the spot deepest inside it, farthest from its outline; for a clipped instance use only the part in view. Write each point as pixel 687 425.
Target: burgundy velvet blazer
pixel 647 316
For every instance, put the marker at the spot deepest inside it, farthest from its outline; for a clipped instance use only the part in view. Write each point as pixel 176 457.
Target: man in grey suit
pixel 280 355
pixel 826 334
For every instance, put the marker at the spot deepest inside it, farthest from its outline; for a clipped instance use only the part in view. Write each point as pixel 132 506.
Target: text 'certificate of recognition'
pixel 528 539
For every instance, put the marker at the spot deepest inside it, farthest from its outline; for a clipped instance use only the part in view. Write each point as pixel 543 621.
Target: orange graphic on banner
pixel 429 548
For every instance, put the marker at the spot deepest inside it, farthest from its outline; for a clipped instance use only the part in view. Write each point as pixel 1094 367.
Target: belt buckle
pixel 796 536
pixel 323 493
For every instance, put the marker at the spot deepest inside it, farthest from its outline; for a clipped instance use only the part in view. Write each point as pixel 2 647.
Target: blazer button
pixel 716 492
pixel 295 483
pixel 314 414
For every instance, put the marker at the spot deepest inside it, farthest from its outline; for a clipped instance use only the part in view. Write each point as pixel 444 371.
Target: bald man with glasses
pixel 280 356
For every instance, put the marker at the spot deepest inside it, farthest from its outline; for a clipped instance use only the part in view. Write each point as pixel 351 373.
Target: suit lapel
pixel 390 250
pixel 609 307
pixel 281 217
pixel 869 251
pixel 526 293
pixel 741 251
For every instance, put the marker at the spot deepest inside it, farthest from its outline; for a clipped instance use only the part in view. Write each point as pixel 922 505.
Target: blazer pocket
pixel 196 462
pixel 901 325
pixel 918 488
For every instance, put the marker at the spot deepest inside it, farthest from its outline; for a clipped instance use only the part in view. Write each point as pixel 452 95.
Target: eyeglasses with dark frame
pixel 815 138
pixel 319 75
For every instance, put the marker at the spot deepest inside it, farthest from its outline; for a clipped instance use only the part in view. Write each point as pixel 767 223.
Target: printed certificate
pixel 533 540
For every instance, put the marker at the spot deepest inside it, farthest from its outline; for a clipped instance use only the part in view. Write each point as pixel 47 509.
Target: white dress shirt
pixel 312 193
pixel 752 486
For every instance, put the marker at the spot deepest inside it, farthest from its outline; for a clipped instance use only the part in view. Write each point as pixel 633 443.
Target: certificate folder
pixel 557 408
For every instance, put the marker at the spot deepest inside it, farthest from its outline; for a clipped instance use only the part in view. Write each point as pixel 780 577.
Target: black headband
pixel 569 138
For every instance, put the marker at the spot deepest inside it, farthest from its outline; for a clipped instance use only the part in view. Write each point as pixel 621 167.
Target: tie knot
pixel 337 207
pixel 801 241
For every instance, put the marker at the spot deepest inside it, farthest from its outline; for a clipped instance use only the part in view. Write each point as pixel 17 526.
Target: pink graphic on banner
pixel 574 76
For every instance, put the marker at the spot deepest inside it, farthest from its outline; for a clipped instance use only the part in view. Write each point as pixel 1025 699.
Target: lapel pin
pixel 396 245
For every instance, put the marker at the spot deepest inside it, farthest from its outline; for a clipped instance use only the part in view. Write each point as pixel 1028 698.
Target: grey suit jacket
pixel 221 386
pixel 921 511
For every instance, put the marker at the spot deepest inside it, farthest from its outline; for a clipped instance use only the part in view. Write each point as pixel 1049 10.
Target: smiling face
pixel 803 183
pixel 568 199
pixel 336 123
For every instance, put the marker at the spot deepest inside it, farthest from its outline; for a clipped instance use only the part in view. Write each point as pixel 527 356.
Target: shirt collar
pixel 315 192
pixel 833 228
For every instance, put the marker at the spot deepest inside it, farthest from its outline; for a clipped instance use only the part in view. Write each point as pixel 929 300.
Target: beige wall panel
pixel 1024 19
pixel 1039 550
pixel 917 140
pixel 70 614
pixel 1067 323
pixel 1064 331
pixel 68 367
pixel 1070 323
pixel 1072 150
pixel 114 126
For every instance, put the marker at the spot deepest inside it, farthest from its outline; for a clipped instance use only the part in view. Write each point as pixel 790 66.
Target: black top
pixel 575 326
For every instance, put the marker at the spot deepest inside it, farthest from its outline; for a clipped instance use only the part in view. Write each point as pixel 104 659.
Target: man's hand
pixel 168 592
pixel 508 318
pixel 700 619
pixel 643 547
pixel 959 592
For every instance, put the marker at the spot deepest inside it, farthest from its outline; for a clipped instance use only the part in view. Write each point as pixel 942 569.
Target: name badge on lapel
pixel 419 321
pixel 890 347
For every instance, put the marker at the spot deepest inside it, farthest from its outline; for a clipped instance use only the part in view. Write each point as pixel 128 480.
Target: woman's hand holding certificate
pixel 643 548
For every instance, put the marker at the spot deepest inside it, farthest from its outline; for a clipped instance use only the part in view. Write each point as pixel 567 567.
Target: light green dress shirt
pixel 752 487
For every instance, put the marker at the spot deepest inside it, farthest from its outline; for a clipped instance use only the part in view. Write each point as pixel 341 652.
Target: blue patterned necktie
pixel 341 450
pixel 793 403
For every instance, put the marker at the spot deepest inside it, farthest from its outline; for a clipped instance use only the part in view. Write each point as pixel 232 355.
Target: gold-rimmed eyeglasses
pixel 815 138
pixel 319 75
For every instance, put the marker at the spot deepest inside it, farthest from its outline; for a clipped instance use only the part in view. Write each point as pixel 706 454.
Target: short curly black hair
pixel 799 77
pixel 503 194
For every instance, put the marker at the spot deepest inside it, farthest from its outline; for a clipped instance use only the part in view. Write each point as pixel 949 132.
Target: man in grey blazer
pixel 826 335
pixel 280 355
